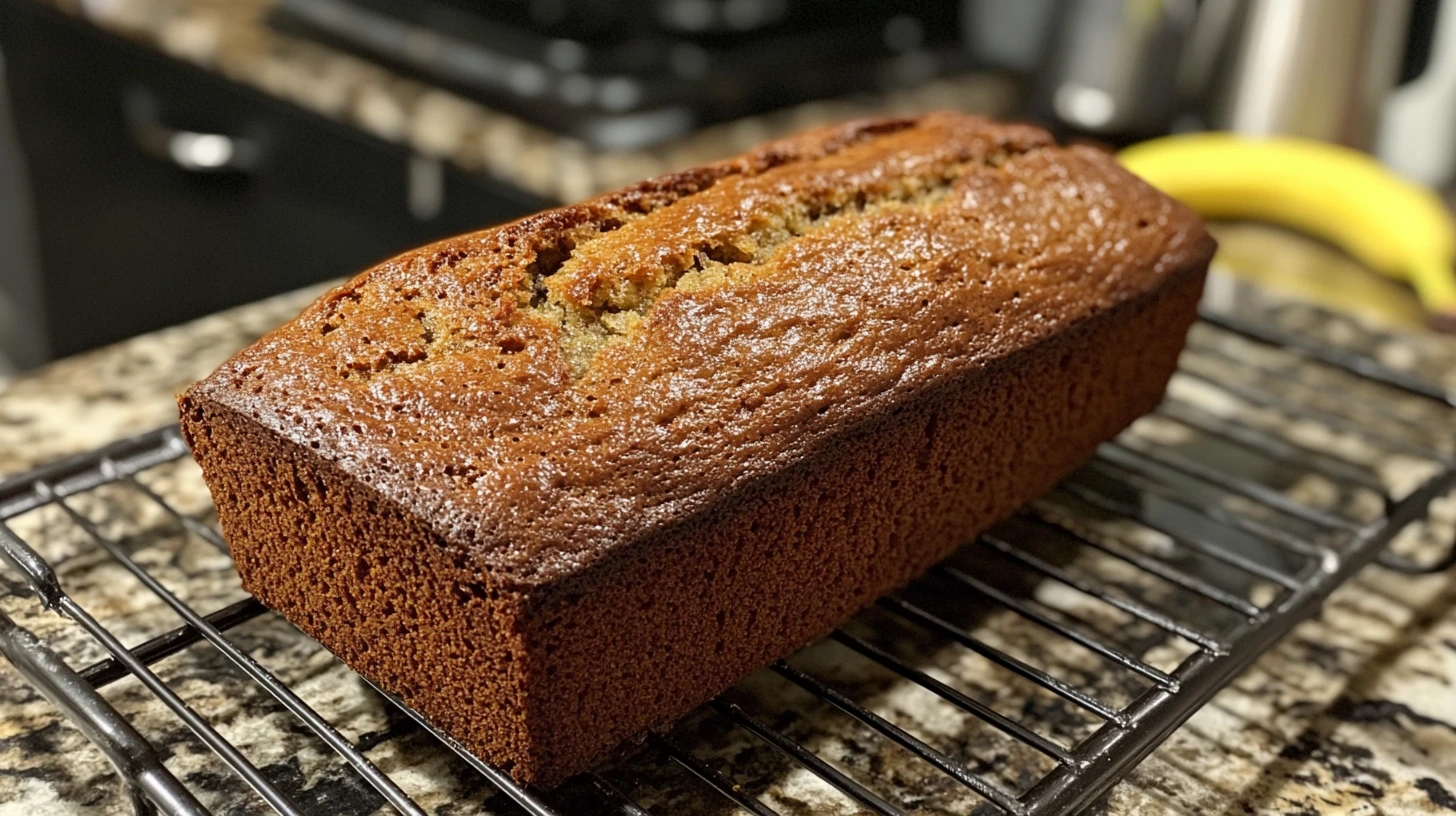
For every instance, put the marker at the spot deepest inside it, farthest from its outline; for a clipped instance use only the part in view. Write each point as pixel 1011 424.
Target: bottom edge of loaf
pixel 551 683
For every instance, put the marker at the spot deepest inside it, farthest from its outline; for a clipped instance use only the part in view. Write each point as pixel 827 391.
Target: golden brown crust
pixel 558 482
pixel 433 379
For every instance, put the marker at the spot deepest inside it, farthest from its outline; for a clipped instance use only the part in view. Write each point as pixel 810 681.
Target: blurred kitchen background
pixel 165 159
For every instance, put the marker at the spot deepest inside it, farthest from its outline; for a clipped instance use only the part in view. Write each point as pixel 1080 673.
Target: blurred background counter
pixel 189 155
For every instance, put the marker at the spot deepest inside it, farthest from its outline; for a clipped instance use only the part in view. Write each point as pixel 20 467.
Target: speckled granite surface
pixel 1355 712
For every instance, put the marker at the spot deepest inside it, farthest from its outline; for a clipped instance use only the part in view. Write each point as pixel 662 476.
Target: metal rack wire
pixel 1237 558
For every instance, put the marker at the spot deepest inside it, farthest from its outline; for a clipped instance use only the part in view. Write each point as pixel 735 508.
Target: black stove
pixel 630 73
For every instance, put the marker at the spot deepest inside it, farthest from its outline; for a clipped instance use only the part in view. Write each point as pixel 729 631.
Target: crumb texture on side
pixel 559 482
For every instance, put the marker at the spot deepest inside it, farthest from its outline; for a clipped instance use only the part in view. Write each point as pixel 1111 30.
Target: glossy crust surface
pixel 558 482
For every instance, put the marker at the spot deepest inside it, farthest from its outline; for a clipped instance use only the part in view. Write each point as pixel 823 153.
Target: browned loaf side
pixel 559 482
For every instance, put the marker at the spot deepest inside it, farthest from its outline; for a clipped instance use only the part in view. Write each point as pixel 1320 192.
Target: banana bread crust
pixel 558 482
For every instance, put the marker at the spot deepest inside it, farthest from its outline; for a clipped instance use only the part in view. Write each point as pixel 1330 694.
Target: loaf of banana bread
pixel 558 482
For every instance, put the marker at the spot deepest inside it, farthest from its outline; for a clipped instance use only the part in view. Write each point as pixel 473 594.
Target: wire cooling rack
pixel 1273 472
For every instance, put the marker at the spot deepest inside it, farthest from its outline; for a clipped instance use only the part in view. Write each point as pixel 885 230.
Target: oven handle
pixel 190 150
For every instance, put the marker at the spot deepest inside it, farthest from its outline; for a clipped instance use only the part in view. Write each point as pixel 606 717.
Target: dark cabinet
pixel 162 192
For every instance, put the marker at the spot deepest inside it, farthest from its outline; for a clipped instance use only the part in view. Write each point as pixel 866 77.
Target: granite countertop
pixel 1353 712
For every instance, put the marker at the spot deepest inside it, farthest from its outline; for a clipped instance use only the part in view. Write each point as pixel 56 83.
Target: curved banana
pixel 1335 193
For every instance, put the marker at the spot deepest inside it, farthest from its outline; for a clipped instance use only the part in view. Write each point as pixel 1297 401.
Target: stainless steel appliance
pixel 1113 66
pixel 1316 68
pixel 626 75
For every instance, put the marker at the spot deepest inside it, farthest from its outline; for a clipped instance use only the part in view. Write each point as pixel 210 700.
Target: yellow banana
pixel 1335 193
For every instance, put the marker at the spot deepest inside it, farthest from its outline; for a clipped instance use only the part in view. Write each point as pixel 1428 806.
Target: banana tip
pixel 1444 321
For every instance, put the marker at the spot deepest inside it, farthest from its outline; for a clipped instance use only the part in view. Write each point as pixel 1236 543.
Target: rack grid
pixel 1169 562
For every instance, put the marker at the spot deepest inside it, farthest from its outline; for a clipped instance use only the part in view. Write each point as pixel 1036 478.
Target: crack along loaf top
pixel 546 392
